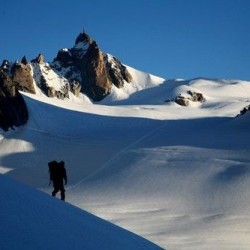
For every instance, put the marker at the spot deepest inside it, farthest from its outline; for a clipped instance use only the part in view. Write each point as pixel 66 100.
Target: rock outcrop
pixel 14 77
pixel 117 71
pixel 13 110
pixel 181 100
pixel 189 96
pixel 76 88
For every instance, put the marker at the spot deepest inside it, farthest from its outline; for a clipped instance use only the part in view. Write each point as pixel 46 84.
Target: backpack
pixel 53 169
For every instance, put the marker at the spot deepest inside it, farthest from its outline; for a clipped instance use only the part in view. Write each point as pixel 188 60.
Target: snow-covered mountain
pixel 165 159
pixel 82 72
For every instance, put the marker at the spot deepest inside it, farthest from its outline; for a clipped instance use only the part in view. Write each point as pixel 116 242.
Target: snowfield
pixel 177 176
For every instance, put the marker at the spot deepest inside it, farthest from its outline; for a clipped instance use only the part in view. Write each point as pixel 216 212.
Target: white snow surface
pixel 177 176
pixel 32 220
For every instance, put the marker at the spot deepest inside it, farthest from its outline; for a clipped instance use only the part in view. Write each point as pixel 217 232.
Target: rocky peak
pixel 21 76
pixel 68 57
pixel 83 38
pixel 5 66
pixel 95 71
pixel 82 44
pixel 39 59
pixel 24 60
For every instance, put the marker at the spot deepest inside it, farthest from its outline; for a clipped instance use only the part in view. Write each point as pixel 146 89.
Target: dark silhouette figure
pixel 58 175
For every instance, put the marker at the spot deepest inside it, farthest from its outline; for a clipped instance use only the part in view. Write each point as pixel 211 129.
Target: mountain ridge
pixel 83 69
pixel 80 73
pixel 84 64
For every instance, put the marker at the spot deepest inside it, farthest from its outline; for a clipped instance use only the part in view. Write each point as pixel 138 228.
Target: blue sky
pixel 169 38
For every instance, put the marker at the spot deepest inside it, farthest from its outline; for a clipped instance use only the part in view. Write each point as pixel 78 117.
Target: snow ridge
pixel 52 224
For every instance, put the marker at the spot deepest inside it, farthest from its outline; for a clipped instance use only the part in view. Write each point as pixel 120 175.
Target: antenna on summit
pixel 84 30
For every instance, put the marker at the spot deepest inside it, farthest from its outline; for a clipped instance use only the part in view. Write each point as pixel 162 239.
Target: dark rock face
pixel 117 72
pixel 51 92
pixel 24 60
pixel 13 111
pixel 244 111
pixel 83 38
pixel 64 57
pixel 95 80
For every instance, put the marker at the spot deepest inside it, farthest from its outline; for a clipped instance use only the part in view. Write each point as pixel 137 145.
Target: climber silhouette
pixel 58 176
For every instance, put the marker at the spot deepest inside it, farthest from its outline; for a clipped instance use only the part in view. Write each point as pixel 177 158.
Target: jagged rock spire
pixel 97 72
pixel 83 37
pixel 24 60
pixel 5 65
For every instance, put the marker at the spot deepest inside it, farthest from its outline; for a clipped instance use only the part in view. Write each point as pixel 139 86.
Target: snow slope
pixel 178 176
pixel 33 220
